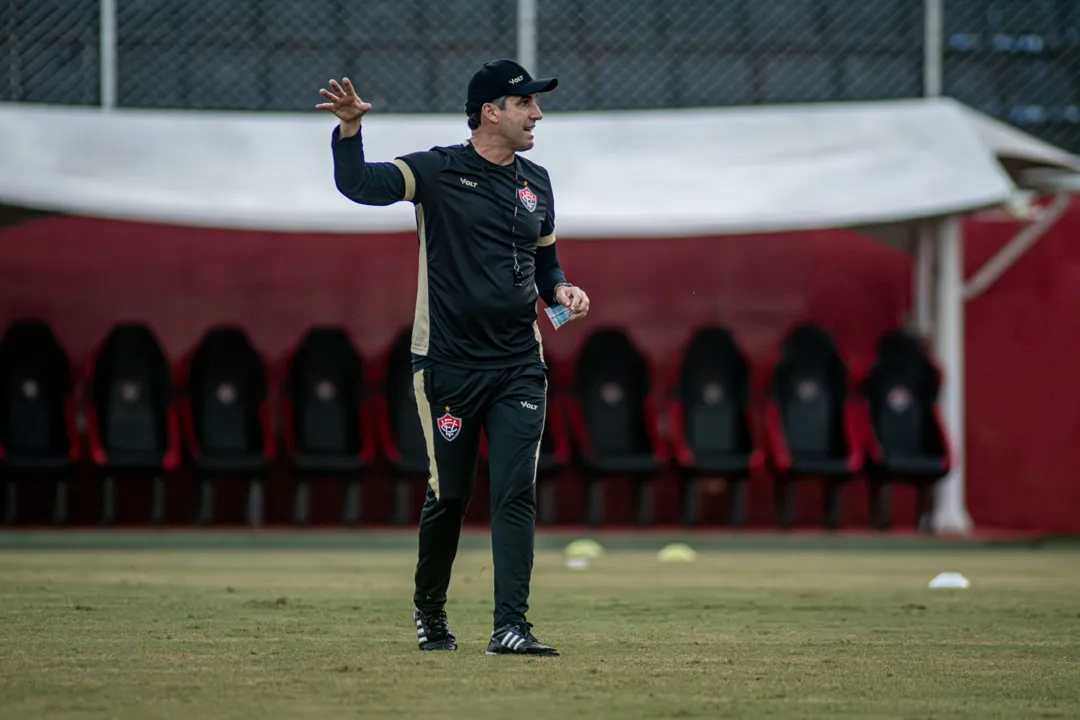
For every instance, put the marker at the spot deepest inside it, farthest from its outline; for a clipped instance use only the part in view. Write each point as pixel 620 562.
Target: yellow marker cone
pixel 584 549
pixel 677 552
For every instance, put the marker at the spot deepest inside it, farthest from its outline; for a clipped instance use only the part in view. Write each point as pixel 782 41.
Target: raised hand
pixel 344 102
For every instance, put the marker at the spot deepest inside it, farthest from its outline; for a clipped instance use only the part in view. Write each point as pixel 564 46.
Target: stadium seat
pixel 554 445
pixel 712 429
pixel 38 437
pixel 326 418
pixel 614 419
pixel 811 421
pixel 904 434
pixel 133 426
pixel 402 437
pixel 226 415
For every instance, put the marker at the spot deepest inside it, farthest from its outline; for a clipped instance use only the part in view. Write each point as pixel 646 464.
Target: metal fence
pixel 49 51
pixel 1018 60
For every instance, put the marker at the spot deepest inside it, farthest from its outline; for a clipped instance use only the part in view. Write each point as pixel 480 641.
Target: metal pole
pixel 923 279
pixel 526 34
pixel 1015 248
pixel 950 511
pixel 933 46
pixel 108 54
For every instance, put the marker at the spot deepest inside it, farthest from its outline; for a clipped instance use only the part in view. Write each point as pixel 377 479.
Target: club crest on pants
pixel 449 425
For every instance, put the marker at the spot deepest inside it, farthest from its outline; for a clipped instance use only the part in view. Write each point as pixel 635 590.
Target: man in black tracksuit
pixel 486 224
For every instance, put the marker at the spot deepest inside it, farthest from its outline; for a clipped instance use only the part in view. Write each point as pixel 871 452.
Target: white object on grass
pixel 950 580
pixel 577 563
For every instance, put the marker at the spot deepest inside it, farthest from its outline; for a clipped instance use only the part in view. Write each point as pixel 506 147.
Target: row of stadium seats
pixel 339 414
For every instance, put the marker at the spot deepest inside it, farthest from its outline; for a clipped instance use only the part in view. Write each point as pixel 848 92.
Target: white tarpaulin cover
pixel 661 173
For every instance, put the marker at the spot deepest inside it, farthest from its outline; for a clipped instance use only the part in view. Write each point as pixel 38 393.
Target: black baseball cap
pixel 503 77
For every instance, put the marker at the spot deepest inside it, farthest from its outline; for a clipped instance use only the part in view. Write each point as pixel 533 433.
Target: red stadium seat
pixel 133 425
pixel 38 437
pixel 614 419
pixel 811 421
pixel 327 419
pixel 225 414
pixel 712 428
pixel 903 432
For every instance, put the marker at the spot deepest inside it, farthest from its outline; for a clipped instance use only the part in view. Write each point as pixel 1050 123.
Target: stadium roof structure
pixel 650 174
pixel 903 171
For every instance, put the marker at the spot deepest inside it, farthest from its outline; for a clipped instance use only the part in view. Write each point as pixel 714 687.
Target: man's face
pixel 517 121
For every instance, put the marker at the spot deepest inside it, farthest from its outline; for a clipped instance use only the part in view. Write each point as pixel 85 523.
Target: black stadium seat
pixel 326 419
pixel 402 436
pixel 226 415
pixel 905 437
pixel 133 424
pixel 810 418
pixel 38 438
pixel 711 425
pixel 614 418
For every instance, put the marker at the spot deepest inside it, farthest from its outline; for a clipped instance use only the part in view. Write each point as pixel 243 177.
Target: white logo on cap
pixel 518 79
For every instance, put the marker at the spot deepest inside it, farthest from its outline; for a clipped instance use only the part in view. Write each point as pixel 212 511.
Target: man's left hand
pixel 573 298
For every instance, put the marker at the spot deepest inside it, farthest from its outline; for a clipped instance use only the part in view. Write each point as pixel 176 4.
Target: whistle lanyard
pixel 519 277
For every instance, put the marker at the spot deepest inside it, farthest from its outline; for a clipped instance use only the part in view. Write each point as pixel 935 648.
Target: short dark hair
pixel 474 119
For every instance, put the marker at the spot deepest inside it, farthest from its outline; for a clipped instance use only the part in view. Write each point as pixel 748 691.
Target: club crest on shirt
pixel 449 425
pixel 528 198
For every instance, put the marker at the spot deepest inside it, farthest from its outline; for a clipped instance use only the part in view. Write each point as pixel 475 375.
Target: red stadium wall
pixel 83 275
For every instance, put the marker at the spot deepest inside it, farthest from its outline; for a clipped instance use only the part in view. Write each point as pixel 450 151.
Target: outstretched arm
pixel 368 183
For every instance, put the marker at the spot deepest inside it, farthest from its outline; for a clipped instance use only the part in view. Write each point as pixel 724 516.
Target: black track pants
pixel 454 404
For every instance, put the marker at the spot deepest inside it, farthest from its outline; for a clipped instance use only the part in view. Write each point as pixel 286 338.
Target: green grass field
pixel 741 633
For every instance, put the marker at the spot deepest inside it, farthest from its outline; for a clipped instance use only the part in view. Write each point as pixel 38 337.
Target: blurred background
pixel 167 361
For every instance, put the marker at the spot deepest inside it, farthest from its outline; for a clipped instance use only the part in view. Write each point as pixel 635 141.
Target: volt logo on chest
pixel 469 183
pixel 528 405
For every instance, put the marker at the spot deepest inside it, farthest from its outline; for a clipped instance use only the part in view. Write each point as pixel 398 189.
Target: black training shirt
pixel 471 309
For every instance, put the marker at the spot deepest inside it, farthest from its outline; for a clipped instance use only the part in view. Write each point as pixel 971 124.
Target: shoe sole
pixel 520 654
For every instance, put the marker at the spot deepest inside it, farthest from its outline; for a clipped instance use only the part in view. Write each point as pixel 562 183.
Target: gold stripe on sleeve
pixel 410 179
pixel 421 332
